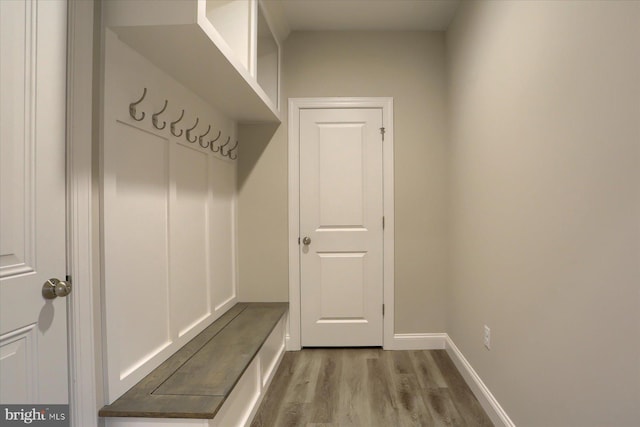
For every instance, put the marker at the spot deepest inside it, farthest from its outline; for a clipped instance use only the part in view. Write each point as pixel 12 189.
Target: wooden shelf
pixel 197 380
pixel 178 37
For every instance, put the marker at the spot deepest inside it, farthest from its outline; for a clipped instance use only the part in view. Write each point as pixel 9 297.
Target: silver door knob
pixel 306 241
pixel 54 288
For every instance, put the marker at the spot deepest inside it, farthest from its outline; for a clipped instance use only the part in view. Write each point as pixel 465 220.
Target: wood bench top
pixel 196 380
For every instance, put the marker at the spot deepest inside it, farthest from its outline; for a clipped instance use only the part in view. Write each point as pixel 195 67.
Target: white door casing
pixel 84 394
pixel 341 216
pixel 33 331
pixel 296 105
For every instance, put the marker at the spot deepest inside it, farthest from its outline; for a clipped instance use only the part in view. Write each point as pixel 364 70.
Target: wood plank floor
pixel 367 388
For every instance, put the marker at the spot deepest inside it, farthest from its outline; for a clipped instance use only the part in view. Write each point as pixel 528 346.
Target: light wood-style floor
pixel 369 387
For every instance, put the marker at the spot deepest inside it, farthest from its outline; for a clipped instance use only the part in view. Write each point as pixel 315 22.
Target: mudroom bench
pixel 217 379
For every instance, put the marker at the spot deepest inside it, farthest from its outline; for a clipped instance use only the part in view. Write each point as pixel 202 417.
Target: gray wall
pixel 545 203
pixel 408 66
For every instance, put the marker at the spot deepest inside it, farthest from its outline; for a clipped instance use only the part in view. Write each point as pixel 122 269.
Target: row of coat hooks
pixel 188 132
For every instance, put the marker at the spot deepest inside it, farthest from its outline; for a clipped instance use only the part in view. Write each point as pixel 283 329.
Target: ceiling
pixel 384 15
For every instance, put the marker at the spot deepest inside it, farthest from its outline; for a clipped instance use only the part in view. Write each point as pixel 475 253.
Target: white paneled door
pixel 33 329
pixel 341 227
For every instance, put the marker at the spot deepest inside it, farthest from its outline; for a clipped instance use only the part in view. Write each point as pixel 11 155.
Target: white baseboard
pixel 489 403
pixel 399 342
pixel 287 343
pixel 291 344
pixel 417 342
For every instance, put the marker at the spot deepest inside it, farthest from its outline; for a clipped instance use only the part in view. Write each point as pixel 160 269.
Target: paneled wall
pixel 168 214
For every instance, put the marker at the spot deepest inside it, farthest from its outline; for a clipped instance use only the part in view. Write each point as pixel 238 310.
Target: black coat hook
pixel 231 156
pixel 188 135
pixel 173 125
pixel 224 145
pixel 154 117
pixel 215 150
pixel 202 136
pixel 133 105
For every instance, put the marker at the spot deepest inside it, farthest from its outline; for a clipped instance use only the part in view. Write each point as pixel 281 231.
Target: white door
pixel 341 227
pixel 33 330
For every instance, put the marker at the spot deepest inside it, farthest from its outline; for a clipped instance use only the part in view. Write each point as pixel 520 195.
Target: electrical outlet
pixel 487 337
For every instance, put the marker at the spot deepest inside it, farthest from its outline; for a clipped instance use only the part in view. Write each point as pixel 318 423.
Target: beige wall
pixel 262 214
pixel 408 66
pixel 545 198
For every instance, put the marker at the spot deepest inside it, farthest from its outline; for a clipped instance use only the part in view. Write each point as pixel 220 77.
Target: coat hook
pixel 154 117
pixel 202 136
pixel 224 145
pixel 133 105
pixel 231 156
pixel 215 150
pixel 173 125
pixel 188 135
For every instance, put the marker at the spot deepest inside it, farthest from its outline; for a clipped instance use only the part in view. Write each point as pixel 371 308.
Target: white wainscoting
pixel 168 218
pixel 241 405
pixel 245 398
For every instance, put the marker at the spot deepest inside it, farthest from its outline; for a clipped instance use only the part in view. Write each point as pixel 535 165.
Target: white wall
pixel 545 202
pixel 408 66
pixel 168 219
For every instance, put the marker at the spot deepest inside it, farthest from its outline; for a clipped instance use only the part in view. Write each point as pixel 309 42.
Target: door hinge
pixel 383 309
pixel 383 222
pixel 382 131
pixel 298 241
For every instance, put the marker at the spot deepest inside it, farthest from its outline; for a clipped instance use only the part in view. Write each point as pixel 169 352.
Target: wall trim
pixel 417 342
pixel 81 321
pixel 288 343
pixel 488 402
pixel 295 105
pixel 265 386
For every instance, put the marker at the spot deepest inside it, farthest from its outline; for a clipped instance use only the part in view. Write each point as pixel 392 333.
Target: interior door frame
pixel 82 322
pixel 295 105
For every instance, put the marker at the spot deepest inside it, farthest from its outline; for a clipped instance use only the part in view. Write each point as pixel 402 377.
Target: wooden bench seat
pixel 196 381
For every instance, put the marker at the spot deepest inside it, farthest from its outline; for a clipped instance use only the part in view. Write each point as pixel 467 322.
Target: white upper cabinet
pixel 233 19
pixel 213 47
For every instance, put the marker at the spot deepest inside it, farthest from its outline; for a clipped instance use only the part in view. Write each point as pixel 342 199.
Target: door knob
pixel 54 288
pixel 306 241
